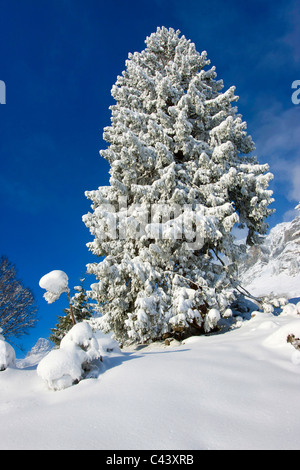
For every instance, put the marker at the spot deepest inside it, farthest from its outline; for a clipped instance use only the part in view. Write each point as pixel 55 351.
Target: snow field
pixel 238 390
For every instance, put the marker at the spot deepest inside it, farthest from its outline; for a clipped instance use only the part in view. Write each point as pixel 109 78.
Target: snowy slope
pixel 233 390
pixel 275 265
pixel 238 390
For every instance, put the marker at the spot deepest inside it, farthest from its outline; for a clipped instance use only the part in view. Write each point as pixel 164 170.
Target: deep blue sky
pixel 59 60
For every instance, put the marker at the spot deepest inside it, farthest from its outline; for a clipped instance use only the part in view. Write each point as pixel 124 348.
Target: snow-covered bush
pixel 55 283
pixel 7 354
pixel 82 310
pixel 182 176
pixel 78 357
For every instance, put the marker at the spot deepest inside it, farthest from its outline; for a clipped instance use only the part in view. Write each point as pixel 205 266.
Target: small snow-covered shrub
pixel 55 283
pixel 78 357
pixel 60 369
pixel 7 354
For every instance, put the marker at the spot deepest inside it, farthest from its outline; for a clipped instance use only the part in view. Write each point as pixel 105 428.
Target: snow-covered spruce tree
pixel 82 310
pixel 181 178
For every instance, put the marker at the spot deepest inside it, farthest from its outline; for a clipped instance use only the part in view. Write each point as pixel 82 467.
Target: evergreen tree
pixel 82 310
pixel 181 178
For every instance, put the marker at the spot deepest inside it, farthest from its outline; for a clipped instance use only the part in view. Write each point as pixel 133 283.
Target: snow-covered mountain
pixel 42 347
pixel 274 266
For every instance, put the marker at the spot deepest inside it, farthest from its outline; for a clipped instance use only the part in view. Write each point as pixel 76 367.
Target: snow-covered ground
pixel 237 390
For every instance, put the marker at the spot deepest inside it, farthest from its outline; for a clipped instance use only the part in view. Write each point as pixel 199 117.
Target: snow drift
pixel 238 390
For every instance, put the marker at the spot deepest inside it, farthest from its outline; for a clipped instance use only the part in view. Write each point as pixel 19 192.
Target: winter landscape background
pixel 235 389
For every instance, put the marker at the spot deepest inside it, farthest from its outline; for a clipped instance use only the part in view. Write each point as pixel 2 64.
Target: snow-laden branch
pixel 55 283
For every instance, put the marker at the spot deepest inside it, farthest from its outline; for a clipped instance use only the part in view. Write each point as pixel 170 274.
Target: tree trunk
pixel 71 310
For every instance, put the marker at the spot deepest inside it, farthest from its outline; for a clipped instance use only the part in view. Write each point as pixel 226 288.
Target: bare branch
pixel 17 305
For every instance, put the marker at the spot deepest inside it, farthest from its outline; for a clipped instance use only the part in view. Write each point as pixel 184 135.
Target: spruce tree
pixel 182 176
pixel 82 310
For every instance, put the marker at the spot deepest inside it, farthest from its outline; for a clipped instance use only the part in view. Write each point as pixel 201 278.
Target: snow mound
pixel 106 343
pixel 7 355
pixel 291 309
pixel 278 339
pixel 78 357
